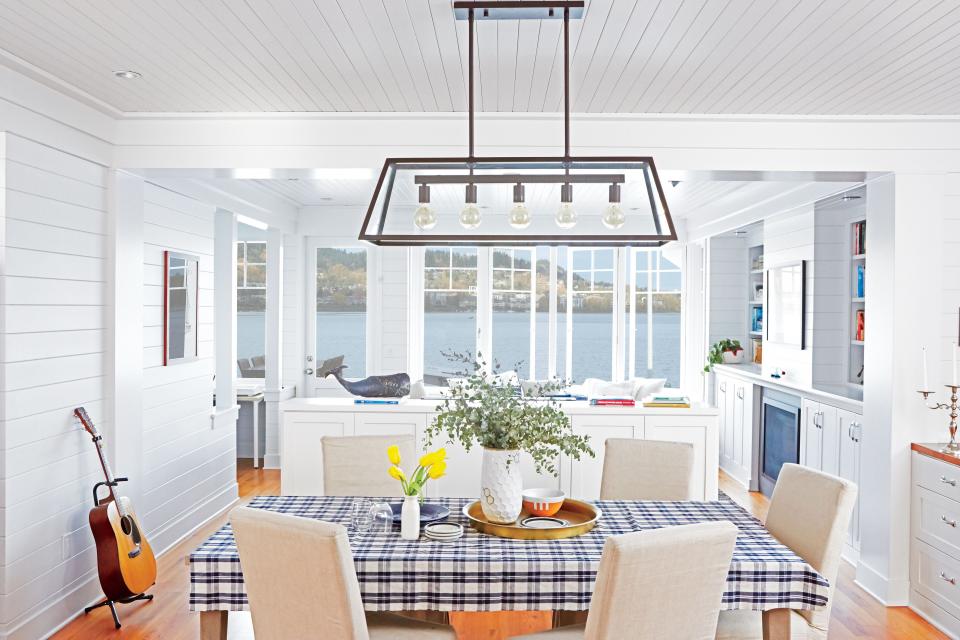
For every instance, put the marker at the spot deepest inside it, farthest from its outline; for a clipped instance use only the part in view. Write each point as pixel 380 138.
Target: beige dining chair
pixel 647 470
pixel 809 512
pixel 301 583
pixel 357 465
pixel 660 583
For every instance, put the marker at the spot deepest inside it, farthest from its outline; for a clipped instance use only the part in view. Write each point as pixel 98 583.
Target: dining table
pixel 481 572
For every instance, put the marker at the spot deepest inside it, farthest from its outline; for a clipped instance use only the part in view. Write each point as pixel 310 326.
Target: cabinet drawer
pixel 937 521
pixel 936 576
pixel 937 476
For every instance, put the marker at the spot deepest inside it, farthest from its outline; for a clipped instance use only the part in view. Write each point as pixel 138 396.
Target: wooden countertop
pixel 933 449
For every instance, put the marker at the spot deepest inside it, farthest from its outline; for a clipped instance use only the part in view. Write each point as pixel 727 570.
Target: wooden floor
pixel 855 613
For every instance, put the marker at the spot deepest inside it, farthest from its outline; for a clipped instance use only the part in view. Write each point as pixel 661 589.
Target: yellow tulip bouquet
pixel 432 466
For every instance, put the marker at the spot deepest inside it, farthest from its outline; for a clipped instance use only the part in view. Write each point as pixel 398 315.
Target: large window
pixel 342 308
pixel 591 284
pixel 514 317
pixel 449 309
pixel 251 304
pixel 653 322
pixel 574 313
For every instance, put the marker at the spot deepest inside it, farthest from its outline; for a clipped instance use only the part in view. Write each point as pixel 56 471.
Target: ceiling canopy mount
pixel 497 201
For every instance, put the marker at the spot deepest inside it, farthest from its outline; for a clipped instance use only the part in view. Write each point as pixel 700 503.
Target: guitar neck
pixel 107 473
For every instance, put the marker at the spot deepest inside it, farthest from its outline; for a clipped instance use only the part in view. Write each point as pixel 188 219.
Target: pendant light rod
pixel 528 178
pixel 470 77
pixel 566 84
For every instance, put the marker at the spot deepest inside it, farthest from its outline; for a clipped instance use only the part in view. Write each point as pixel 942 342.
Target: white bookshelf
pixel 857 294
pixel 754 301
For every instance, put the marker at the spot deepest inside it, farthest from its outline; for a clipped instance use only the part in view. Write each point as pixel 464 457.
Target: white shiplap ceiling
pixel 876 57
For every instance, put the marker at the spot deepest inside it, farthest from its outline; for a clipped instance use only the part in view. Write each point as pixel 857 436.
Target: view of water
pixel 345 333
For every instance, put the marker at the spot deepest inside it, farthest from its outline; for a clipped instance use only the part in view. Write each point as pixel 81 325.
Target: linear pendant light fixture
pixel 503 201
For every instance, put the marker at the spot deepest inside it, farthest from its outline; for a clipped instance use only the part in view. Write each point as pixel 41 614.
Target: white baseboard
pixel 889 593
pixel 70 601
pixel 935 615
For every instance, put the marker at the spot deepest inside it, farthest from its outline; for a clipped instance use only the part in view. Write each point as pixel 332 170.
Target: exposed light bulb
pixel 613 217
pixel 566 216
pixel 519 216
pixel 470 216
pixel 424 217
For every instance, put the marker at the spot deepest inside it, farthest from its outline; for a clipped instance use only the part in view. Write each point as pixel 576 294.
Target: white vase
pixel 501 486
pixel 410 518
pixel 733 357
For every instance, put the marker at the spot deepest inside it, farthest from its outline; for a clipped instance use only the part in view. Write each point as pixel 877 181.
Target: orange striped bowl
pixel 543 502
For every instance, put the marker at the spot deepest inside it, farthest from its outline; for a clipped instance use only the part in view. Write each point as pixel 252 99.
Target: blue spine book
pixel 358 401
pixel 860 275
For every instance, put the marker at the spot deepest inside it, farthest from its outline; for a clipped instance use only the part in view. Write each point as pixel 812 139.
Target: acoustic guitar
pixel 125 561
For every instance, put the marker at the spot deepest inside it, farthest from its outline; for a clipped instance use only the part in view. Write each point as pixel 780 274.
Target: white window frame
pixel 653 289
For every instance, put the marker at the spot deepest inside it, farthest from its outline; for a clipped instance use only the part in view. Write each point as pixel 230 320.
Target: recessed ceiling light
pixel 128 74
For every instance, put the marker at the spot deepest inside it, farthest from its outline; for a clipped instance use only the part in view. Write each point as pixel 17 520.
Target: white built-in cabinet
pixel 830 442
pixel 735 401
pixel 306 421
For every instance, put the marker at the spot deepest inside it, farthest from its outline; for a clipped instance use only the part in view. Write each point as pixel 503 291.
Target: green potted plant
pixel 726 351
pixel 481 410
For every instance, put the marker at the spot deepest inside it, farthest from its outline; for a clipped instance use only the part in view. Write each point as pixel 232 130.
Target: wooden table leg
pixel 776 624
pixel 213 625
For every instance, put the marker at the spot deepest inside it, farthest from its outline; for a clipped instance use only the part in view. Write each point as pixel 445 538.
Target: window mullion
pixel 632 357
pixel 552 308
pixel 649 315
pixel 485 305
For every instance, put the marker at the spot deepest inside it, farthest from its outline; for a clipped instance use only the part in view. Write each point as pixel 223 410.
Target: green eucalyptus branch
pixel 481 410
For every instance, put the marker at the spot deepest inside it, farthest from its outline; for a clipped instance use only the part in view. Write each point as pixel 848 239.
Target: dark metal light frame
pixel 503 10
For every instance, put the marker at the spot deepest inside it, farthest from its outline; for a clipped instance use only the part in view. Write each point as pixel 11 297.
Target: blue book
pixel 366 401
pixel 860 275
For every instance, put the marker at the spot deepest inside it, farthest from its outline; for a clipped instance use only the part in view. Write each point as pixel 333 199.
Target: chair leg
pixel 776 624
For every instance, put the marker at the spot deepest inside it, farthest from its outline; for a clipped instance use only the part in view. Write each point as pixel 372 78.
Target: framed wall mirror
pixel 786 304
pixel 180 321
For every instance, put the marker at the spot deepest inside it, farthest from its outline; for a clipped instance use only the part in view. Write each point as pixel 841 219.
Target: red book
pixel 613 402
pixel 860 326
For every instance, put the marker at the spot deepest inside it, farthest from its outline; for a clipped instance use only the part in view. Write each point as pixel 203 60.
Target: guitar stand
pixel 112 604
pixel 108 602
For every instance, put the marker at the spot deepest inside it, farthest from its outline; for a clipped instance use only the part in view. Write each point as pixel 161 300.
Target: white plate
pixel 443 529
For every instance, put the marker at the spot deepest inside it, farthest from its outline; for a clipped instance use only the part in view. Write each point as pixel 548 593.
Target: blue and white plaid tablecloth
pixel 486 573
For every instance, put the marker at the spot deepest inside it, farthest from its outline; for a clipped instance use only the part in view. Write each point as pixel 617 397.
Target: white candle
pixel 926 382
pixel 954 350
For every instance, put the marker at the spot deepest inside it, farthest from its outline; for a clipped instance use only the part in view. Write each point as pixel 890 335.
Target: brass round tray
pixel 580 516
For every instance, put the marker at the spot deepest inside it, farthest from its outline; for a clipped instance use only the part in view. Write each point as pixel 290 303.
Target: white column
pixel 125 349
pixel 415 313
pixel 273 381
pixel 903 313
pixel 225 316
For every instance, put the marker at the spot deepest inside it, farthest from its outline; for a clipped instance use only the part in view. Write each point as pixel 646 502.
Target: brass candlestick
pixel 952 447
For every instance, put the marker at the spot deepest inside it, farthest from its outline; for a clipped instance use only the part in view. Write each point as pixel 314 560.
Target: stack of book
pixel 673 401
pixel 613 402
pixel 860 238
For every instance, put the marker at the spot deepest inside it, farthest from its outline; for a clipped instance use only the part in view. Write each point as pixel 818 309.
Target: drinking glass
pixel 382 516
pixel 362 515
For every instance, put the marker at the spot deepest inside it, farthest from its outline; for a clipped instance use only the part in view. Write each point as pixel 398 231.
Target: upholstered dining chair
pixel 647 470
pixel 661 583
pixel 809 512
pixel 301 583
pixel 357 465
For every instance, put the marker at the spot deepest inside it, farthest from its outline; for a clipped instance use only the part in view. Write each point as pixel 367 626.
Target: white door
pixel 849 464
pixel 724 390
pixel 586 475
pixel 339 277
pixel 830 439
pixel 811 437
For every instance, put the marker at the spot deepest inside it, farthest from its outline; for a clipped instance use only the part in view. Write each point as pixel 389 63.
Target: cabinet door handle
pixel 946 578
pixel 740 393
pixel 723 387
pixel 949 481
pixel 952 523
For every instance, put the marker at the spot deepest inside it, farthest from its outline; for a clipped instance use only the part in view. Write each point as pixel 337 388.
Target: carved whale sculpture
pixel 395 385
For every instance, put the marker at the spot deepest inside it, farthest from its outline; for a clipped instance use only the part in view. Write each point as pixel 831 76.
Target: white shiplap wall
pixel 789 238
pixel 53 226
pixel 189 468
pixel 394 309
pixel 727 289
